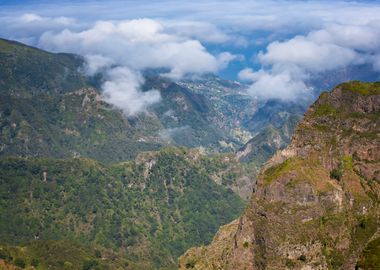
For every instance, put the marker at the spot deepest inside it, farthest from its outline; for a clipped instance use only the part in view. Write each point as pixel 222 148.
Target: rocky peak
pixel 316 205
pixel 344 122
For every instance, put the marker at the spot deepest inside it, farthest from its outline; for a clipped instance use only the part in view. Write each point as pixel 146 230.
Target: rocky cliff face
pixel 316 205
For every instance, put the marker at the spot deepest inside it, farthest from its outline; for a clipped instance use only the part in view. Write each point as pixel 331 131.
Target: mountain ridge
pixel 316 204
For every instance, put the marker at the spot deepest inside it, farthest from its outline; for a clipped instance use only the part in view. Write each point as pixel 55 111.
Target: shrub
pixel 67 265
pixel 336 174
pixel 89 264
pixel 34 262
pixel 4 254
pixel 98 254
pixel 302 258
pixel 190 264
pixel 20 262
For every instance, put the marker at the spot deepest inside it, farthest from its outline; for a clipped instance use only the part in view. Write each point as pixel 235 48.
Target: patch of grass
pixel 370 135
pixel 347 162
pixel 57 255
pixel 304 170
pixel 5 46
pixel 325 110
pixel 322 128
pixel 274 172
pixel 362 88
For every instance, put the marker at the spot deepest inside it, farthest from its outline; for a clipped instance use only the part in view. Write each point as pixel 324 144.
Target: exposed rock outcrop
pixel 316 205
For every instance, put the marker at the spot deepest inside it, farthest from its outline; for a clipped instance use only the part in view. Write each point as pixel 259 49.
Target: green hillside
pixel 28 70
pixel 148 211
pixel 49 108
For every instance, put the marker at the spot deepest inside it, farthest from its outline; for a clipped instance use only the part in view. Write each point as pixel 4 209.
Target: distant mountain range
pixel 83 186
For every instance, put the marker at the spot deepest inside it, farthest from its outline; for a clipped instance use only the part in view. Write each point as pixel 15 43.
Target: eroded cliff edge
pixel 316 205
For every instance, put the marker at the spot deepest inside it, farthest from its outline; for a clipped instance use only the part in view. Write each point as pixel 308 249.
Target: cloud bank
pixel 287 65
pixel 122 49
pixel 289 42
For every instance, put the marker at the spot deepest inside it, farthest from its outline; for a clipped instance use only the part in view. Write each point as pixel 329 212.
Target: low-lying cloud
pixel 278 85
pixel 168 133
pixel 122 49
pixel 132 46
pixel 286 66
pixel 290 42
pixel 122 90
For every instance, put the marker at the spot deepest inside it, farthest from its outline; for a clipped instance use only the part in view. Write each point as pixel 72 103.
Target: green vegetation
pixel 294 166
pixel 154 212
pixel 63 128
pixel 20 262
pixel 302 258
pixel 38 71
pixel 143 213
pixel 345 164
pixel 363 88
pixel 50 108
pixel 57 255
pixel 301 218
pixel 370 258
pixel 336 173
pixel 325 110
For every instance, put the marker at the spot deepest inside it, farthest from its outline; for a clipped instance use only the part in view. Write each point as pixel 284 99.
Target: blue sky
pixel 276 46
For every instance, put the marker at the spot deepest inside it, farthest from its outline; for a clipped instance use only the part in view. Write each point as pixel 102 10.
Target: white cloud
pixel 302 38
pixel 358 37
pixel 134 45
pixel 96 63
pixel 169 133
pixel 308 55
pixel 286 66
pixel 122 90
pixel 202 31
pixel 267 85
pixel 138 44
pixel 28 27
pixel 225 58
pixel 376 62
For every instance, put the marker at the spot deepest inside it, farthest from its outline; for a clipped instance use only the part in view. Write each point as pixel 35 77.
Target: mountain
pixel 317 202
pixel 206 112
pixel 49 107
pixel 230 105
pixel 147 212
pixel 28 71
pixel 78 175
pixel 268 140
pixel 83 186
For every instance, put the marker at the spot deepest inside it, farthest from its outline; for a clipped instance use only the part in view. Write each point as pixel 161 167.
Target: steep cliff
pixel 316 205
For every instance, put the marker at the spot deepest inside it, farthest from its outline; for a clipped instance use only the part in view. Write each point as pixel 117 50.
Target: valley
pixel 83 185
